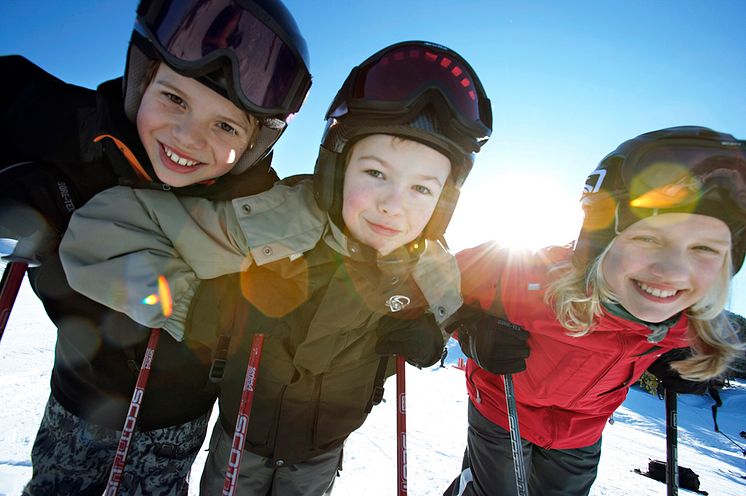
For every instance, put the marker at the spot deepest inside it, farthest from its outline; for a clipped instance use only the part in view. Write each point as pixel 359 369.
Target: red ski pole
pixel 401 427
pixel 11 283
pixel 242 422
pixel 117 468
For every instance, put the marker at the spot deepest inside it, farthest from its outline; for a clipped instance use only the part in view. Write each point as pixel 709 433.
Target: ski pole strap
pixel 401 427
pixel 219 360
pixel 519 465
pixel 242 422
pixel 672 456
pixel 125 440
pixel 234 313
pixel 9 286
pixel 377 395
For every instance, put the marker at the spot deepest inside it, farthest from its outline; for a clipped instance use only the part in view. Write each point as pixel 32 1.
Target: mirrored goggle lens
pixel 267 68
pixel 670 176
pixel 404 73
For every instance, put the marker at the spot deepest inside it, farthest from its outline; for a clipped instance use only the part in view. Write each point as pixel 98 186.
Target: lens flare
pixel 150 300
pixel 164 294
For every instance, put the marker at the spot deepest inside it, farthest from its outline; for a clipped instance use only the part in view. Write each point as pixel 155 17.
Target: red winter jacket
pixel 571 385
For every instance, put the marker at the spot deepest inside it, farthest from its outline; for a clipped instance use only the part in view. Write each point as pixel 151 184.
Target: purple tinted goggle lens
pixel 268 72
pixel 404 73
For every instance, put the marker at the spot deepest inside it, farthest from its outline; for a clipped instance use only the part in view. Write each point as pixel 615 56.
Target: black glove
pixel 419 340
pixel 496 345
pixel 670 379
pixel 37 202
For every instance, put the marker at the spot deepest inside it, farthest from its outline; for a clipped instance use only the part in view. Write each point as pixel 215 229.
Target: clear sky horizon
pixel 568 82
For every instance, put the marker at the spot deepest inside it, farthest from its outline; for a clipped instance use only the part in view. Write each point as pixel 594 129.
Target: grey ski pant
pixel 259 477
pixel 72 457
pixel 487 469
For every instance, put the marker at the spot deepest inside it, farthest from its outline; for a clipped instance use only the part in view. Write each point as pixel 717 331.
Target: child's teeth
pixel 660 293
pixel 179 160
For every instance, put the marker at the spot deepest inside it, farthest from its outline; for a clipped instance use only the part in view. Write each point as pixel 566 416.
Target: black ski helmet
pixel 249 51
pixel 416 90
pixel 680 169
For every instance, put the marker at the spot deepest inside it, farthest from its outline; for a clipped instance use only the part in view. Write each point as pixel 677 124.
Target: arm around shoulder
pixel 114 251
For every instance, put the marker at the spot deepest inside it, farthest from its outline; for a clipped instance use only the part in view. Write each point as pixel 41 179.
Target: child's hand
pixel 37 202
pixel 670 379
pixel 494 344
pixel 420 341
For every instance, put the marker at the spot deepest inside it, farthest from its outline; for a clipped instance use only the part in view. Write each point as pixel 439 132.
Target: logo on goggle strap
pixel 397 302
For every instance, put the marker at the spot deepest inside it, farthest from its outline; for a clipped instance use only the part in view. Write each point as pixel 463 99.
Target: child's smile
pixel 662 265
pixel 190 132
pixel 390 191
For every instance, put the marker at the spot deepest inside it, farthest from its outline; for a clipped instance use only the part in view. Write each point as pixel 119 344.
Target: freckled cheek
pixel 349 208
pixel 706 276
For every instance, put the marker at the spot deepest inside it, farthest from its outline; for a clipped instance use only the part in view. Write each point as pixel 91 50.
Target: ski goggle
pixel 397 78
pixel 666 177
pixel 267 75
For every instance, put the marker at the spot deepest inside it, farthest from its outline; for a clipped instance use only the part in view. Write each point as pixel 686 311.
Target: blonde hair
pixel 577 295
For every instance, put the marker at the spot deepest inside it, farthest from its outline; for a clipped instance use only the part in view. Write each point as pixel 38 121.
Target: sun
pixel 518 211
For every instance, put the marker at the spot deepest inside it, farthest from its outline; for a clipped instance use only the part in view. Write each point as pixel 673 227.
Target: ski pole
pixel 515 437
pixel 672 458
pixel 244 411
pixel 401 427
pixel 117 468
pixel 11 283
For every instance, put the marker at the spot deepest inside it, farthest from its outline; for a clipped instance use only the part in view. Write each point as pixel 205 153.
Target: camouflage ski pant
pixel 73 457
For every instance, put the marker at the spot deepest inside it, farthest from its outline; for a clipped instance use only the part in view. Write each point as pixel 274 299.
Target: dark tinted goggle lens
pixel 685 171
pixel 267 69
pixel 404 73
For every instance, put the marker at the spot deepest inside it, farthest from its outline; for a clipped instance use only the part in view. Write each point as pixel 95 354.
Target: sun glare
pixel 519 211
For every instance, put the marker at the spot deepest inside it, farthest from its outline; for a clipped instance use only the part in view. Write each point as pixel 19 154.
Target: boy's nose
pixel 190 134
pixel 391 201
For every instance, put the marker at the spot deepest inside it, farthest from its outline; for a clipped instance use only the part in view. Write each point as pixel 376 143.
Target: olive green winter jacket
pixel 315 294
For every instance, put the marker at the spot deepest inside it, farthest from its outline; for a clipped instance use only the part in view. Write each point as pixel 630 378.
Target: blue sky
pixel 568 81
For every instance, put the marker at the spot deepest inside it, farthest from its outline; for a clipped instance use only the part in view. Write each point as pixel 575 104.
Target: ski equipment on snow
pixel 244 412
pixel 11 283
pixel 401 427
pixel 515 437
pixel 120 459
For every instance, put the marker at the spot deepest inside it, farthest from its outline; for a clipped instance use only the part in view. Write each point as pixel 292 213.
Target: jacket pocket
pixel 342 399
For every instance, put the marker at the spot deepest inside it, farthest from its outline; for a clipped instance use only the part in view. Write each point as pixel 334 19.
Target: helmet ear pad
pixel 328 183
pixel 134 75
pixel 441 217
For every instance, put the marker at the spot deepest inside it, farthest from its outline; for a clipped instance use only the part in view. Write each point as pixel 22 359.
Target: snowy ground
pixel 436 402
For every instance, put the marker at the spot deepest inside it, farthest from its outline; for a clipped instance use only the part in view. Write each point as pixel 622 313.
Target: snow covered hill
pixel 436 402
